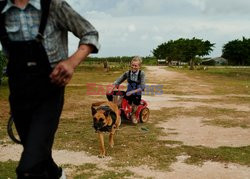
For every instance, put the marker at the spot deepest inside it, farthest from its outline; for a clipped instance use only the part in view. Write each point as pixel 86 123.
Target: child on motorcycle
pixel 136 84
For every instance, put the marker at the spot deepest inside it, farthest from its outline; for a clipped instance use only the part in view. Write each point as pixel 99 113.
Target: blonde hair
pixel 136 59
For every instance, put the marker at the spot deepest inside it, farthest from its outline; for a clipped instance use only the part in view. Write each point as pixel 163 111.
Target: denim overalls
pixel 132 85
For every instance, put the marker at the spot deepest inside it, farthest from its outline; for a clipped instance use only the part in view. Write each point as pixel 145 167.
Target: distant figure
pixel 106 65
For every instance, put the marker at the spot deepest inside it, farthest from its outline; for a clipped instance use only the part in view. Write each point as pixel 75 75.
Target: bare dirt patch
pixel 183 83
pixel 13 152
pixel 61 157
pixel 191 131
pixel 208 170
pixel 173 101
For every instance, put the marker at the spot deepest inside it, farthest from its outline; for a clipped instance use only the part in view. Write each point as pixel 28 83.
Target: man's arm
pixel 63 71
pixel 69 20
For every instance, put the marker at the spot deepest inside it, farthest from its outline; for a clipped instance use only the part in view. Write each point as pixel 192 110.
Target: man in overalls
pixel 33 34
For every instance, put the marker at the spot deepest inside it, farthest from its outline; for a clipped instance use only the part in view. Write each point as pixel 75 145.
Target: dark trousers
pixel 36 116
pixel 134 98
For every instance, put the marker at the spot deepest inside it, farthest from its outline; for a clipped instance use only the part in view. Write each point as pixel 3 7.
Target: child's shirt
pixel 135 80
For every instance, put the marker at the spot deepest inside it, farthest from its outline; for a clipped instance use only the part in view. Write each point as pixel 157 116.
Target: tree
pixel 170 51
pixel 161 51
pixel 237 52
pixel 183 50
pixel 196 48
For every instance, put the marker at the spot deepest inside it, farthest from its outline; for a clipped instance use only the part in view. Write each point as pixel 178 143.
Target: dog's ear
pixel 106 113
pixel 94 111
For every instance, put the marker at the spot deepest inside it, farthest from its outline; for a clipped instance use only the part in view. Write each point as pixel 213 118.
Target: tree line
pixel 183 50
pixel 237 52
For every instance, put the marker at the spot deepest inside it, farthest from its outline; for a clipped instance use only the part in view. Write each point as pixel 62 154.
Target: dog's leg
pixel 102 147
pixel 111 138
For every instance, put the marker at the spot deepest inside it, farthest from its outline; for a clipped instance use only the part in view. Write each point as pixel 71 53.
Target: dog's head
pixel 101 118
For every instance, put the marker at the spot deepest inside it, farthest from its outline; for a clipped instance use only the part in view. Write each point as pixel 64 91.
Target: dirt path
pixel 197 133
pixel 189 130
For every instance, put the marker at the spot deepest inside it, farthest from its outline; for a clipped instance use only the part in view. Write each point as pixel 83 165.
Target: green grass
pixel 4 108
pixel 228 123
pixel 114 174
pixel 214 116
pixel 225 80
pixel 198 155
pixel 85 171
pixel 133 145
pixel 236 73
pixel 7 169
pixel 4 92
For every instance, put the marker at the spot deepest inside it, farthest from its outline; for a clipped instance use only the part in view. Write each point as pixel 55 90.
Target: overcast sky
pixel 135 27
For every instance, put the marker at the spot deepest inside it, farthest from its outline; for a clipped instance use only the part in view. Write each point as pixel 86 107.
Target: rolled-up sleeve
pixel 121 79
pixel 70 20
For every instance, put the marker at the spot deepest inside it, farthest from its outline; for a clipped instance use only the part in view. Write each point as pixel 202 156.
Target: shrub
pixel 3 62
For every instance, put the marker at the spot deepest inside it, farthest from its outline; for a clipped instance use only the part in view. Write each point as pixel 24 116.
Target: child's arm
pixel 133 91
pixel 119 80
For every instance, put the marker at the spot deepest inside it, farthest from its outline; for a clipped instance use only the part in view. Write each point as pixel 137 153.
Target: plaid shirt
pixel 23 24
pixel 133 77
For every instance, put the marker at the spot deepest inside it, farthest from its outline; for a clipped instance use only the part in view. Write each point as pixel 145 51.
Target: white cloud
pixel 197 3
pixel 130 27
pixel 158 39
pixel 227 7
pixel 156 29
pixel 144 37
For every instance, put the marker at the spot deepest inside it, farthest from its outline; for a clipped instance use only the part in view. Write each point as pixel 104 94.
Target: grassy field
pixel 225 80
pixel 137 145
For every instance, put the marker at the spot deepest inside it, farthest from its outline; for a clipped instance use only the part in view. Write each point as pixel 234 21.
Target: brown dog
pixel 106 118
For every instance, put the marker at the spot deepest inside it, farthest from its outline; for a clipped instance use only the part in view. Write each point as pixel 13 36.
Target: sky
pixel 136 27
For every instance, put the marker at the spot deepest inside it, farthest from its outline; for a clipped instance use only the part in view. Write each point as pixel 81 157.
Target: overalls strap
pixel 45 4
pixel 139 76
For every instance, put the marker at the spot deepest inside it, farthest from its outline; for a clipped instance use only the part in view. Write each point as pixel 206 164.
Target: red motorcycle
pixel 141 114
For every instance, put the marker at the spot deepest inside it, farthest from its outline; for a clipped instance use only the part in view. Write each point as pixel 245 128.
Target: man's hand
pixel 110 89
pixel 62 73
